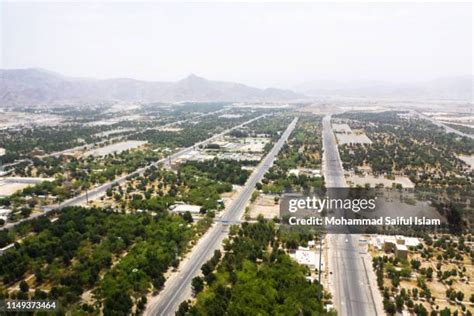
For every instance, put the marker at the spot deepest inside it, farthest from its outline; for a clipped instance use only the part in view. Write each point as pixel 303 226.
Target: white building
pixel 183 208
pixel 401 251
pixel 4 212
pixel 294 172
pixel 411 241
pixel 388 243
pixel 313 173
pixel 307 258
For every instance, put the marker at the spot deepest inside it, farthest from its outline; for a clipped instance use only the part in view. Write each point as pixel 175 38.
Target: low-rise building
pixel 401 252
pixel 307 257
pixel 412 241
pixel 4 213
pixel 294 172
pixel 183 208
pixel 388 243
pixel 313 173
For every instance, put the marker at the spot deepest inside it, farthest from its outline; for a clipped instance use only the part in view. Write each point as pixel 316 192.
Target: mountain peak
pixel 193 77
pixel 41 87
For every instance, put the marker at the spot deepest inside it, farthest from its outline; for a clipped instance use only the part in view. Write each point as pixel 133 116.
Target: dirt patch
pixel 374 180
pixel 265 205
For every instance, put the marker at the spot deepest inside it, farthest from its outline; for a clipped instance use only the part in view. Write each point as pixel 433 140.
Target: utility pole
pixel 87 193
pixel 320 263
pixel 2 153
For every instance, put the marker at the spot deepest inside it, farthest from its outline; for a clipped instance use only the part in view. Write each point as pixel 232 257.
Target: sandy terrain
pixel 373 181
pixel 468 160
pixel 265 205
pixel 10 185
pixel 7 189
pixel 437 288
pixel 461 118
pixel 345 135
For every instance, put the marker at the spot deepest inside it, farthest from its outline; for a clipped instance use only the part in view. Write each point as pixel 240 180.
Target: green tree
pixel 24 286
pixel 197 285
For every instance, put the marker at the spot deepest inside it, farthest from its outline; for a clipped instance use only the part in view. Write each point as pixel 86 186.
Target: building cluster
pixel 399 245
pixel 228 148
pixel 312 173
pixel 181 207
pixel 4 213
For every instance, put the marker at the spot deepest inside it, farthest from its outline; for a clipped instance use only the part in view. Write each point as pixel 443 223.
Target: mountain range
pixel 33 86
pixel 37 86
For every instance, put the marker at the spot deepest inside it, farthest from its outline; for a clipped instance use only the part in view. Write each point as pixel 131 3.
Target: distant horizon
pixel 279 45
pixel 372 81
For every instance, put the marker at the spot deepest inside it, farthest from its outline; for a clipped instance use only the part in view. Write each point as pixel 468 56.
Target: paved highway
pixel 332 166
pixel 178 287
pixel 440 124
pixel 101 190
pixel 349 279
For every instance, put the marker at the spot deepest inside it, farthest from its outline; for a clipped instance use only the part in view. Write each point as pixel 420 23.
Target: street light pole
pixel 320 263
pixel 87 194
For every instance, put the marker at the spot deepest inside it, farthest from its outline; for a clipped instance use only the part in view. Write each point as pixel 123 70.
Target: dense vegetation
pixel 120 257
pixel 420 150
pixel 271 126
pixel 407 146
pixel 462 128
pixel 68 256
pixel 191 132
pixel 220 170
pixel 72 129
pixel 198 183
pixel 20 142
pixel 77 174
pixel 303 151
pixel 254 277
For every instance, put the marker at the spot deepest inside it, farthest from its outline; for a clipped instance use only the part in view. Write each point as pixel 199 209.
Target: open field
pixel 377 180
pixel 7 189
pixel 469 160
pixel 11 185
pixel 12 119
pixel 345 135
pixel 264 205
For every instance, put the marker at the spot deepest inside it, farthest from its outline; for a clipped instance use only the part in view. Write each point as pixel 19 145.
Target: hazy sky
pixel 262 44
